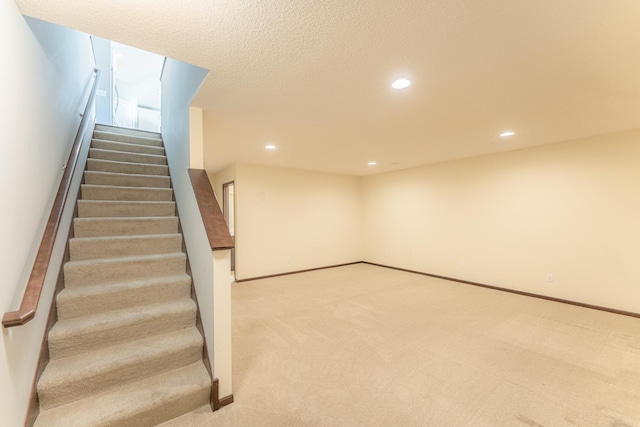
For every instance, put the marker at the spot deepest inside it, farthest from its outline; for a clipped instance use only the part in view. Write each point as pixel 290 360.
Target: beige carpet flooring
pixel 368 346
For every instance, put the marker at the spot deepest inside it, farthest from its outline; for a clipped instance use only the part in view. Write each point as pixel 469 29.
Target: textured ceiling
pixel 313 76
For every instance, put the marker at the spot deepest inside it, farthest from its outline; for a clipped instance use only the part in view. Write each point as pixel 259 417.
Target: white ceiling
pixel 313 76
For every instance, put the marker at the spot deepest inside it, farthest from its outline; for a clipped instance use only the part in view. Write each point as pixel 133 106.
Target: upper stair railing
pixel 33 290
pixel 221 243
pixel 214 222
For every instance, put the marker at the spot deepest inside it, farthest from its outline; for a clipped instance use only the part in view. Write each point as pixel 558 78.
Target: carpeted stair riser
pixel 114 208
pixel 113 270
pixel 145 403
pixel 91 300
pixel 131 139
pixel 126 180
pixel 126 147
pixel 107 192
pixel 85 248
pixel 78 335
pixel 95 227
pixel 125 350
pixel 100 371
pixel 119 156
pixel 101 165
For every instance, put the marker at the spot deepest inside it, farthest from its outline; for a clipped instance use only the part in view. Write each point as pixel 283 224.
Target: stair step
pixel 88 300
pixel 112 270
pixel 82 334
pixel 131 139
pixel 126 167
pixel 84 248
pixel 128 131
pixel 111 192
pixel 96 227
pixel 126 179
pixel 122 156
pixel 98 371
pixel 115 208
pixel 124 350
pixel 143 403
pixel 104 144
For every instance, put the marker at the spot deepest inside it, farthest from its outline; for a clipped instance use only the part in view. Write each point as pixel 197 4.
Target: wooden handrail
pixel 214 223
pixel 31 297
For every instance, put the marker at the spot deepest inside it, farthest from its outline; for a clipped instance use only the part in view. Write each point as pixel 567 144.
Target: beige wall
pixel 222 358
pixel 196 138
pixel 289 220
pixel 221 178
pixel 508 219
pixel 570 209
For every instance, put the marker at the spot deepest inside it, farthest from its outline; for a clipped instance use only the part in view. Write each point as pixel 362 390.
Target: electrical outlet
pixel 549 277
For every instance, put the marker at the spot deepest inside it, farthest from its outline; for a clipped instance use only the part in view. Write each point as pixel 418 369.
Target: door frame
pixel 225 214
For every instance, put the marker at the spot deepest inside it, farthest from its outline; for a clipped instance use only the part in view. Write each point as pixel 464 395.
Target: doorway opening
pixel 130 94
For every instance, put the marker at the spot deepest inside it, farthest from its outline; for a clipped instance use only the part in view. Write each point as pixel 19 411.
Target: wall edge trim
pixel 288 273
pixel 227 400
pixel 513 291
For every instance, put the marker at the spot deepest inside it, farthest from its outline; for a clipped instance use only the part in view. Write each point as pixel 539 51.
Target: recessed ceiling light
pixel 507 133
pixel 270 147
pixel 372 163
pixel 401 83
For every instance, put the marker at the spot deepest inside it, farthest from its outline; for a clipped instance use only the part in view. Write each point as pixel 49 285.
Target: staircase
pixel 125 350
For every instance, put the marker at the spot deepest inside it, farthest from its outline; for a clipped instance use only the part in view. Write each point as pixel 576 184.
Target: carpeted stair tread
pixel 128 147
pixel 111 192
pixel 128 131
pixel 95 227
pixel 132 139
pixel 96 299
pixel 81 334
pixel 85 248
pixel 100 370
pixel 144 403
pixel 124 349
pixel 101 165
pixel 120 208
pixel 122 156
pixel 126 179
pixel 113 270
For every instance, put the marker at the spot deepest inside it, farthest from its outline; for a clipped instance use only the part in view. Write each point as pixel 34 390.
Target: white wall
pixel 289 220
pixel 570 209
pixel 43 82
pixel 211 271
pixel 104 100
pixel 180 83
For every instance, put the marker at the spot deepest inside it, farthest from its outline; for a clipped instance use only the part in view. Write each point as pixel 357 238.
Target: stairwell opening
pixel 129 95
